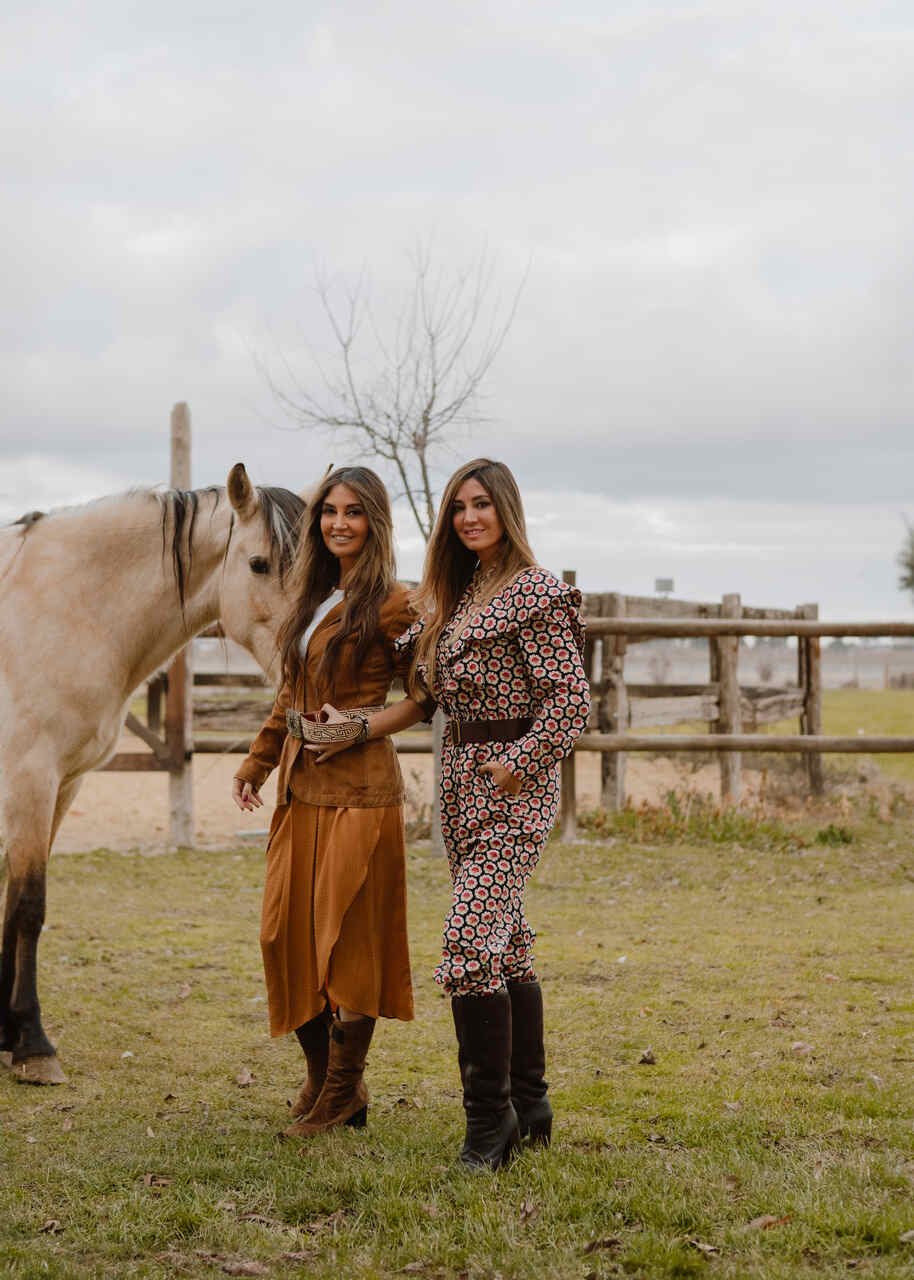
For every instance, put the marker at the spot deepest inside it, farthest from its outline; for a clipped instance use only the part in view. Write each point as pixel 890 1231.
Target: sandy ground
pixel 123 811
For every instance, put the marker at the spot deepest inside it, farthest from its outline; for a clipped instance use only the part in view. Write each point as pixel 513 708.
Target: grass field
pixel 767 969
pixel 890 711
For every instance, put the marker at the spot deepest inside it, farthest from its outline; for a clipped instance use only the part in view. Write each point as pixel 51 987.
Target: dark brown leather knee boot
pixel 483 1026
pixel 528 1063
pixel 314 1038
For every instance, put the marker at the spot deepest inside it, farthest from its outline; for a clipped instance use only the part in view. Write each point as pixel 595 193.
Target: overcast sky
pixel 709 376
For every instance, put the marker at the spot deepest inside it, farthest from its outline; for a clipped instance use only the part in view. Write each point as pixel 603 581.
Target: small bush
pixel 833 835
pixel 693 818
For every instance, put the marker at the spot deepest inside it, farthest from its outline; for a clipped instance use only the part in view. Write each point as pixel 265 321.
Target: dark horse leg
pixel 22 1036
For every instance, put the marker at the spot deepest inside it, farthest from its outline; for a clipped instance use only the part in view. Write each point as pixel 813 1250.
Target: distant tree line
pixel 906 562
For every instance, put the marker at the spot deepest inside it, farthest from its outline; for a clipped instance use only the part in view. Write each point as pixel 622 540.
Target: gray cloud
pixel 716 201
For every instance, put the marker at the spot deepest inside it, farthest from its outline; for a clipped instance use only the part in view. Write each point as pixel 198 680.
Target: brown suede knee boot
pixel 344 1098
pixel 314 1038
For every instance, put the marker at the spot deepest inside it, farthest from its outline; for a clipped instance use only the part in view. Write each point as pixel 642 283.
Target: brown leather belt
pixel 463 731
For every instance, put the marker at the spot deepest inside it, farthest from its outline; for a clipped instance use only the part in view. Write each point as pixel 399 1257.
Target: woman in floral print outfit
pixel 498 644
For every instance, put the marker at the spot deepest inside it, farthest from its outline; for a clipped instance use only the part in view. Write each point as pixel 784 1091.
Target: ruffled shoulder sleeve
pixel 536 591
pixel 533 598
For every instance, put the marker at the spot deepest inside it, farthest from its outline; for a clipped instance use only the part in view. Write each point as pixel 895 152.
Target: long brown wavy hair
pixel 316 572
pixel 449 565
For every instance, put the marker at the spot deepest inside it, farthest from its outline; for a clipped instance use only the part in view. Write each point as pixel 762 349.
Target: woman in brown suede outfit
pixel 333 931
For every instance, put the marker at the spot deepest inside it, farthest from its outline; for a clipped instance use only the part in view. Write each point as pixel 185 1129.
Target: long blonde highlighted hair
pixel 316 572
pixel 449 565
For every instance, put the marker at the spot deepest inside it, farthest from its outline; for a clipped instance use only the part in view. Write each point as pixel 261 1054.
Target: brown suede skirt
pixel 334 914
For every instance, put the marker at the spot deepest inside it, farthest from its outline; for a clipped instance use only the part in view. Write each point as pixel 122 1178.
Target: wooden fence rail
pixel 720 700
pixel 668 702
pixel 666 743
pixel 659 628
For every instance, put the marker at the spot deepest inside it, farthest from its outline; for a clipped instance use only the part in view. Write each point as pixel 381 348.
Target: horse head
pixel 261 549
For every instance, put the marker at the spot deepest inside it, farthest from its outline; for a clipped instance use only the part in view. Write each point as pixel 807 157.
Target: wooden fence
pixel 725 705
pixel 676 702
pixel 727 740
pixel 614 621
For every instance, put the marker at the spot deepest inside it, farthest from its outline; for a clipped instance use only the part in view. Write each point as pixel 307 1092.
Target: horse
pixel 93 600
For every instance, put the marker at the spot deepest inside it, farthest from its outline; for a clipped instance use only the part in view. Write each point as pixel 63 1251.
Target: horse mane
pixel 30 518
pixel 280 508
pixel 180 508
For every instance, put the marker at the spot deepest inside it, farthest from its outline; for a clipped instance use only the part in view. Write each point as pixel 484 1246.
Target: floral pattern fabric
pixel 519 657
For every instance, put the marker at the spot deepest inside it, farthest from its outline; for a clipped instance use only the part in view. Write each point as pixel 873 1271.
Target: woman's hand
pixel 327 750
pixel 504 780
pixel 245 796
pixel 393 719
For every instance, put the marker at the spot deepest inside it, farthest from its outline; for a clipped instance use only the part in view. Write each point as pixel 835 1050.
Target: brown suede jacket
pixel 363 777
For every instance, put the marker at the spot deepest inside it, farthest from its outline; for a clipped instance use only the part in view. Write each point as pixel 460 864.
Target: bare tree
pixel 399 390
pixel 906 562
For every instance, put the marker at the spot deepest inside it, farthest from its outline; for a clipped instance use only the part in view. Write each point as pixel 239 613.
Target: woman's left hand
pixel 504 780
pixel 327 750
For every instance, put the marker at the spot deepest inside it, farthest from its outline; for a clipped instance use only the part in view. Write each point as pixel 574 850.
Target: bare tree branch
pixel 397 390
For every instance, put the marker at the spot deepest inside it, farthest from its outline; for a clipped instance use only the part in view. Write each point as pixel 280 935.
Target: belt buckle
pixel 455 733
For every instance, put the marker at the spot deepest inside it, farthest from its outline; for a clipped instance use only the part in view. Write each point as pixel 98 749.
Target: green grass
pixel 768 971
pixel 889 711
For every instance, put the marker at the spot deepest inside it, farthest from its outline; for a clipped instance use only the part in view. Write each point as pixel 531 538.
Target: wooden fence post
pixel 730 716
pixel 569 823
pixel 714 674
pixel 179 706
pixel 154 691
pixel 809 676
pixel 613 712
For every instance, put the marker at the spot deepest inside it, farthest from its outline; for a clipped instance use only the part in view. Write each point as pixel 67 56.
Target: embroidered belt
pixel 463 731
pixel 314 726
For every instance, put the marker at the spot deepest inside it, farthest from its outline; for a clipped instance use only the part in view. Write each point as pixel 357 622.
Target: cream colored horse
pixel 93 600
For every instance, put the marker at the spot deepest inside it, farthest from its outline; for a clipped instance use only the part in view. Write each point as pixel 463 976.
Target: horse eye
pixel 259 565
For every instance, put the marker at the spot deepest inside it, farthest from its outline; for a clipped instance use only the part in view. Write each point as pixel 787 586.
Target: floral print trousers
pixel 493 842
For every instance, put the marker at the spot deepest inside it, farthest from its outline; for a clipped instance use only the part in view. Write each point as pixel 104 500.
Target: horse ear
pixel 307 494
pixel 241 492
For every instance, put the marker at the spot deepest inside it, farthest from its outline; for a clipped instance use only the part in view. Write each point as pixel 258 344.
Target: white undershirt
pixel 319 614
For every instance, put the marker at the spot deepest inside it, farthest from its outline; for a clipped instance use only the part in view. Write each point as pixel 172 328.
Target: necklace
pixel 467 607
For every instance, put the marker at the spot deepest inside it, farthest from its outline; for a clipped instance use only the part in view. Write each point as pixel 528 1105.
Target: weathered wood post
pixel 809 678
pixel 569 824
pixel 179 705
pixel 613 711
pixel 730 717
pixel 714 675
pixel 154 690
